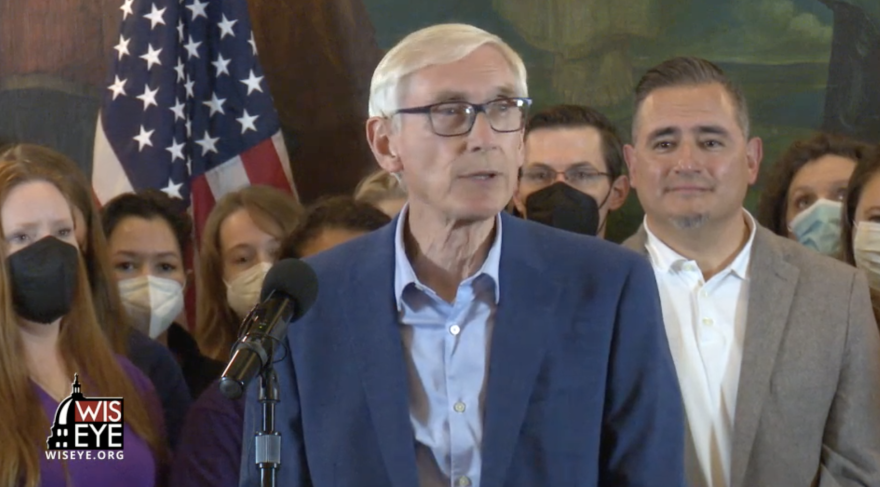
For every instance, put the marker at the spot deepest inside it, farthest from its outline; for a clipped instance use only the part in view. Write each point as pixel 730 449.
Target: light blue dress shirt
pixel 447 345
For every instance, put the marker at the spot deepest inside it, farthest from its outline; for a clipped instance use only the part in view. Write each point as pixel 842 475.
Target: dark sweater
pixel 158 363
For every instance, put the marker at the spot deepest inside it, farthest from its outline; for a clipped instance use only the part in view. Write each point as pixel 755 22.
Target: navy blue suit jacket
pixel 581 388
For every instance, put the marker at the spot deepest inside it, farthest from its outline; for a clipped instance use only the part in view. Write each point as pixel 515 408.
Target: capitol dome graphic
pixel 65 416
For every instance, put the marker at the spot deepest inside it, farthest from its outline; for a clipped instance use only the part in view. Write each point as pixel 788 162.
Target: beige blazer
pixel 808 406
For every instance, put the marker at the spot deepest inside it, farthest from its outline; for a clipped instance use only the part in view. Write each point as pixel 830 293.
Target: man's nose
pixel 482 136
pixel 687 158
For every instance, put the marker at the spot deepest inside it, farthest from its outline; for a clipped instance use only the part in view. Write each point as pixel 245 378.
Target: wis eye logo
pixel 87 423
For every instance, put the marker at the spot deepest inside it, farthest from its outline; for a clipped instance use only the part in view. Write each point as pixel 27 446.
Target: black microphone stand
pixel 268 441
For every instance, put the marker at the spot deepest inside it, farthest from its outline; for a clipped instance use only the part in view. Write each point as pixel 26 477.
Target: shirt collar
pixel 666 259
pixel 404 275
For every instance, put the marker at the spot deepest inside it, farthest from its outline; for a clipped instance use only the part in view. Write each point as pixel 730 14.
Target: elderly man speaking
pixel 459 346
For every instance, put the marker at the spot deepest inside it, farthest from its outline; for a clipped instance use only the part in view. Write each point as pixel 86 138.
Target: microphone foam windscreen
pixel 294 278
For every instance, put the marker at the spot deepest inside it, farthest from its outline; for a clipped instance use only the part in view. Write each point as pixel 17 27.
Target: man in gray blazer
pixel 775 346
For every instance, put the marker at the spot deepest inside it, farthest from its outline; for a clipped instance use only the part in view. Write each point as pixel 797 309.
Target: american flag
pixel 187 109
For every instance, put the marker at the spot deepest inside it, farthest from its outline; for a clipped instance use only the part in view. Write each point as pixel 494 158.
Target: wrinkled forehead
pixel 480 76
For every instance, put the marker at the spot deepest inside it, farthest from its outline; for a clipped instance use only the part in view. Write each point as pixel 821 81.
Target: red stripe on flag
pixel 263 166
pixel 202 204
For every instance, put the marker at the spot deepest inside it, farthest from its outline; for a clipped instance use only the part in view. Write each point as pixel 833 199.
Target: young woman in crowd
pixel 805 190
pixel 48 333
pixel 239 245
pixel 147 233
pixel 860 228
pixel 210 448
pixel 149 356
pixel 382 190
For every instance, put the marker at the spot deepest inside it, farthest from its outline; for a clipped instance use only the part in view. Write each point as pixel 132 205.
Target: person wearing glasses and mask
pixel 460 345
pixel 573 173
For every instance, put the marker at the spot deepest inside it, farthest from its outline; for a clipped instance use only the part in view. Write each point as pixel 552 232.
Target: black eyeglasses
pixel 581 177
pixel 453 118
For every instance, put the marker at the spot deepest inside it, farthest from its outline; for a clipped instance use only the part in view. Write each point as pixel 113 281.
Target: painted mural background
pixel 804 64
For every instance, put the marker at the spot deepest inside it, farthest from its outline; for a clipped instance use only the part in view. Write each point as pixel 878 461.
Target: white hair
pixel 438 44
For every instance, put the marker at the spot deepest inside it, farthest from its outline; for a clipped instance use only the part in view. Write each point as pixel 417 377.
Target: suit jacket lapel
pixel 528 298
pixel 637 241
pixel 772 282
pixel 375 338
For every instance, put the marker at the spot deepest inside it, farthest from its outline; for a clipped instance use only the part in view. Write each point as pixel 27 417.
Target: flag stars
pixel 143 138
pixel 247 122
pixel 118 87
pixel 222 65
pixel 226 27
pixel 173 190
pixel 152 57
pixel 178 110
pixel 155 17
pixel 149 97
pixel 189 85
pixel 180 29
pixel 122 47
pixel 176 150
pixel 208 143
pixel 181 70
pixel 215 104
pixel 126 9
pixel 192 48
pixel 253 83
pixel 198 9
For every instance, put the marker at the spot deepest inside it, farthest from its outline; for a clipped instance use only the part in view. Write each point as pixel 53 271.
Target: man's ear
pixel 619 192
pixel 519 203
pixel 380 136
pixel 521 150
pixel 629 155
pixel 754 156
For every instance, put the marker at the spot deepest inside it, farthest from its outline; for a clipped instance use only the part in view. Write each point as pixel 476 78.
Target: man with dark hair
pixel 775 346
pixel 330 222
pixel 573 173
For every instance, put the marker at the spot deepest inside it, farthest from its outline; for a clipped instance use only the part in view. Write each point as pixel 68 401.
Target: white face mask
pixel 866 250
pixel 152 302
pixel 243 292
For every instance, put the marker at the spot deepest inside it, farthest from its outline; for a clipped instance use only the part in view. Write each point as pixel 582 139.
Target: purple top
pixel 136 469
pixel 209 452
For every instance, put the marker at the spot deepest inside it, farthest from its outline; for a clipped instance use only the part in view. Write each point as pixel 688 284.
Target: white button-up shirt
pixel 705 324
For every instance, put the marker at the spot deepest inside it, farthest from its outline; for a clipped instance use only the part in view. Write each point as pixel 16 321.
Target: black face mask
pixel 561 206
pixel 43 278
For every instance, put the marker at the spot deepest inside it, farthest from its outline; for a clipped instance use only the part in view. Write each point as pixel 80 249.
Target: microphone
pixel 289 290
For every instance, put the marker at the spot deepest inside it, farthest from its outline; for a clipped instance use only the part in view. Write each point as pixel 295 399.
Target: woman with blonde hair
pixel 382 190
pixel 149 356
pixel 49 333
pixel 239 244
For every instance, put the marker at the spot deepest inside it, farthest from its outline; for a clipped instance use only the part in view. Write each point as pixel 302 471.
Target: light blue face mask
pixel 818 227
